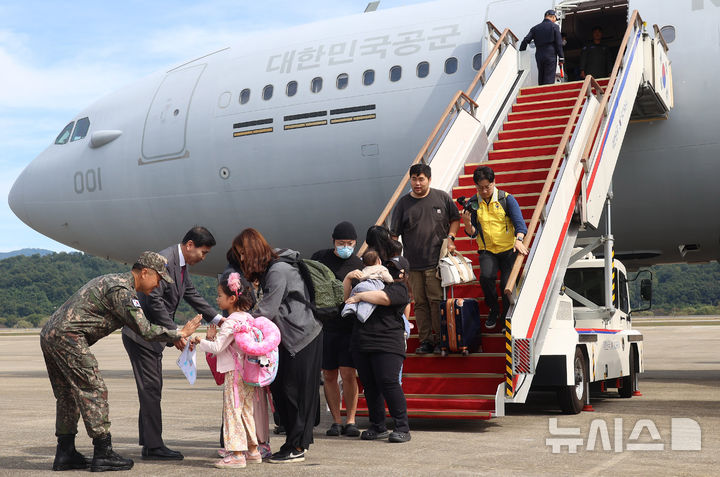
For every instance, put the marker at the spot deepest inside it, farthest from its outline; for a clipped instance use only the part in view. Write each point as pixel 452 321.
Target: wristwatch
pixel 451 237
pixel 519 238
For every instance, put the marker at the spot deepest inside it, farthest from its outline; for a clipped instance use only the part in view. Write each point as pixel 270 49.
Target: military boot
pixel 104 458
pixel 66 456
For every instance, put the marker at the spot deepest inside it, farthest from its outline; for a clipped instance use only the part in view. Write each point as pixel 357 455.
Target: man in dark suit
pixel 159 307
pixel 548 47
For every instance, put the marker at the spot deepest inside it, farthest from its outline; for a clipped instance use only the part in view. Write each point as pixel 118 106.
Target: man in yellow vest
pixel 498 225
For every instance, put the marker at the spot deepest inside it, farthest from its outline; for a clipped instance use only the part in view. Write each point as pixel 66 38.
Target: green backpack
pixel 326 291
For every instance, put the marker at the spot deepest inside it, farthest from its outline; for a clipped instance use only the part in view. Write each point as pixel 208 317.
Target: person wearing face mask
pixel 337 333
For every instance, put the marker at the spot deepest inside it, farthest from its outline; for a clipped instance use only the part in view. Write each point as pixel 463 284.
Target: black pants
pixel 380 377
pixel 546 65
pixel 296 392
pixel 147 368
pixel 489 265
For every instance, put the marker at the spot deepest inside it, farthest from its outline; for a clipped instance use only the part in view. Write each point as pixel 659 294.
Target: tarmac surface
pixel 681 380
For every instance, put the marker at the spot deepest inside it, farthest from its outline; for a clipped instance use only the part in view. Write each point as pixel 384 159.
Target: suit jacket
pixel 160 305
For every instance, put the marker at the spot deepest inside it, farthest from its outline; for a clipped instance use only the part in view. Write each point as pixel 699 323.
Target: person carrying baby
pixel 373 277
pixel 241 446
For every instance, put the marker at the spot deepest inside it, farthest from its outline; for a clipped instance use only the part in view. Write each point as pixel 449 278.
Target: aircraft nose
pixel 16 197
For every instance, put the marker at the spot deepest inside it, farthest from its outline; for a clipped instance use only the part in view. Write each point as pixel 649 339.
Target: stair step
pixel 521 152
pixel 544 104
pixel 466 180
pixel 539 114
pixel 558 87
pixel 536 123
pixel 527 141
pixel 476 363
pixel 517 164
pixel 514 188
pixel 437 413
pixel 532 132
pixel 490 344
pixel 471 384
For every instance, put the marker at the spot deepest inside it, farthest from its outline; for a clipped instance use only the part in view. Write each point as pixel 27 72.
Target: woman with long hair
pixel 284 294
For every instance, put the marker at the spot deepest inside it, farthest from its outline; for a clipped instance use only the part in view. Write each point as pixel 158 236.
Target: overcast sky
pixel 56 58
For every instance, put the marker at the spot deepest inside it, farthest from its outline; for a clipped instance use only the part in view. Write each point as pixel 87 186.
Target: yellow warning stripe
pixel 306 125
pixel 252 131
pixel 348 119
pixel 509 391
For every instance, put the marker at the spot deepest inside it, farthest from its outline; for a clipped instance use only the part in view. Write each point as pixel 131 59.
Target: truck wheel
pixel 572 398
pixel 629 383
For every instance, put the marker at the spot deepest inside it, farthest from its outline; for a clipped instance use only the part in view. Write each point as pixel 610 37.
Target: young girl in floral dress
pixel 241 444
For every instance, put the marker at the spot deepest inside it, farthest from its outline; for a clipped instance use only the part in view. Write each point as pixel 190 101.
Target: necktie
pixel 182 273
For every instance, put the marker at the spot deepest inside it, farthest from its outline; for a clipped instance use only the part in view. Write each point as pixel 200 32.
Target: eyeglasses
pixel 486 188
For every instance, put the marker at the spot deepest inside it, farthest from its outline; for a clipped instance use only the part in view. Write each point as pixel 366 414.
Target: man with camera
pixel 497 223
pixel 424 218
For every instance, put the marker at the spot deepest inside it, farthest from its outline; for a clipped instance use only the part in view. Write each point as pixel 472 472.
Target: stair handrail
pixel 590 87
pixel 458 102
pixel 595 125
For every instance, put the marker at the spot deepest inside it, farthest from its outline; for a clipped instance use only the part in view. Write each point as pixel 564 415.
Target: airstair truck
pixel 590 346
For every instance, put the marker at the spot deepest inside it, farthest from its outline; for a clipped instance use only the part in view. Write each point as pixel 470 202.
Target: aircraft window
pixel 668 32
pixel 423 69
pixel 451 65
pixel 291 88
pixel 316 84
pixel 342 81
pixel 477 62
pixel 368 77
pixel 395 73
pixel 81 129
pixel 64 135
pixel 268 92
pixel 244 96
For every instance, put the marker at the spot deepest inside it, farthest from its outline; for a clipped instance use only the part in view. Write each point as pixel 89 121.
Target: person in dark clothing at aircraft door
pixel 548 47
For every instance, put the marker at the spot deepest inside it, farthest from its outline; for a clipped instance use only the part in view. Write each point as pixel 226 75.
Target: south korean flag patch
pixel 136 303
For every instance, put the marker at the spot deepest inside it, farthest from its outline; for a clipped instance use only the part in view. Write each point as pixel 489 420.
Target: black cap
pixel 398 265
pixel 344 231
pixel 550 12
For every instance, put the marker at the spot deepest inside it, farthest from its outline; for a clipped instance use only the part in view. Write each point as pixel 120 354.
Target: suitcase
pixel 459 326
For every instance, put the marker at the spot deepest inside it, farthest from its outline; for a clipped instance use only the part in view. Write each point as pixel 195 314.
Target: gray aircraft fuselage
pixel 182 147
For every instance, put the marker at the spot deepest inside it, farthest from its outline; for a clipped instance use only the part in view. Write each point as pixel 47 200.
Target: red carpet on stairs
pixel 463 387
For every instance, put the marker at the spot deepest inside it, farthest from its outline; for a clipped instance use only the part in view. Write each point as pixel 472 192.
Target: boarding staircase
pixel 554 148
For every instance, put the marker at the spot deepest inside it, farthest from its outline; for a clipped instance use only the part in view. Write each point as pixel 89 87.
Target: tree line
pixel 33 287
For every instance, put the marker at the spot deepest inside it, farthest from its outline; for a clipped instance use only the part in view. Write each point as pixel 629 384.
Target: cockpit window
pixel 64 135
pixel 81 129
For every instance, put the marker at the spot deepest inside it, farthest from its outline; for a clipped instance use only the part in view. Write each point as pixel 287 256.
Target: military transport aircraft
pixel 293 131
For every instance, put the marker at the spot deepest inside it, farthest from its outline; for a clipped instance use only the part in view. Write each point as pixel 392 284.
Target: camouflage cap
pixel 157 262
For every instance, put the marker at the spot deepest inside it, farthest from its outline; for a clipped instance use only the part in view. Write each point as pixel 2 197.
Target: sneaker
pixel 287 456
pixel 373 435
pixel 222 452
pixel 397 436
pixel 351 430
pixel 492 319
pixel 425 347
pixel 334 430
pixel 231 461
pixel 437 350
pixel 264 450
pixel 255 458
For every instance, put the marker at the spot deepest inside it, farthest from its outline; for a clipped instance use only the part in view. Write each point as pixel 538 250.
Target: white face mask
pixel 564 42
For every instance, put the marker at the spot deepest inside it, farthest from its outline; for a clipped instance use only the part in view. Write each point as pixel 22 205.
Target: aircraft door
pixel 165 129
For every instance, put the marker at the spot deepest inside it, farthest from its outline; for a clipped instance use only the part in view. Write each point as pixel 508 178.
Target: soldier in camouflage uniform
pixel 101 306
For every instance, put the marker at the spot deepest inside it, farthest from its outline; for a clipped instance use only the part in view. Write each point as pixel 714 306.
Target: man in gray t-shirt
pixel 424 218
